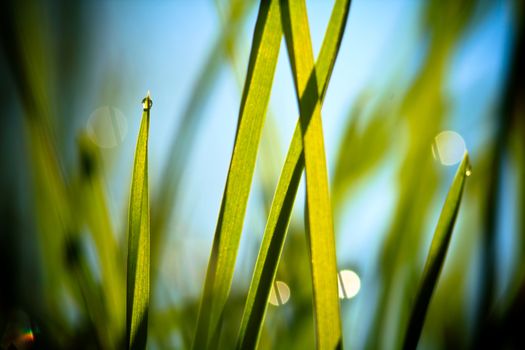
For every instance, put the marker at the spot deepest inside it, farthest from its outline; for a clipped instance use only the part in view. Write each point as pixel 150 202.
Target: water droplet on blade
pixel 147 102
pixel 468 172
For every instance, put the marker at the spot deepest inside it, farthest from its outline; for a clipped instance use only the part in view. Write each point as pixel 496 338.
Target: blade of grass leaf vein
pixel 138 283
pixel 319 213
pixel 282 204
pixel 263 60
pixel 436 255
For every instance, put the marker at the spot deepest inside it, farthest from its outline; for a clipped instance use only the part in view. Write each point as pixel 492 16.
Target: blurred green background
pixel 415 84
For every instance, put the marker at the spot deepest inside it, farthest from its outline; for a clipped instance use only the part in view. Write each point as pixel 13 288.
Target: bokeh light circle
pixel 279 294
pixel 448 147
pixel 107 127
pixel 349 284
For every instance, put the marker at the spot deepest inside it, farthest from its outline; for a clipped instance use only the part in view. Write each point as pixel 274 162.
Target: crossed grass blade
pixel 319 222
pixel 282 204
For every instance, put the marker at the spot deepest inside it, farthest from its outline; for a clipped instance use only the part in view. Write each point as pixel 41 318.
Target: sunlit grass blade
pixel 263 60
pixel 138 274
pixel 282 204
pixel 436 255
pixel 318 219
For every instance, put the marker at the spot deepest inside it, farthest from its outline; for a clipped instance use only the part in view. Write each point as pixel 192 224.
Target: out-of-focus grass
pixel 92 203
pixel 423 108
pixel 180 150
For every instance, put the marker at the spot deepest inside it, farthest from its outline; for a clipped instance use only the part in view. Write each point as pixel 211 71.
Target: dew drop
pixel 147 102
pixel 468 172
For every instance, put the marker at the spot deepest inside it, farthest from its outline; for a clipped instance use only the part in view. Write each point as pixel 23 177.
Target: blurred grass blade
pixel 263 60
pixel 436 255
pixel 417 179
pixel 282 204
pixel 27 59
pixel 93 205
pixel 352 164
pixel 164 200
pixel 319 213
pixel 138 283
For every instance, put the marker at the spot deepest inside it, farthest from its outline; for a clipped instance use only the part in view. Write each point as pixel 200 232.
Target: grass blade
pixel 138 283
pixel 263 60
pixel 319 221
pixel 436 255
pixel 282 204
pixel 93 205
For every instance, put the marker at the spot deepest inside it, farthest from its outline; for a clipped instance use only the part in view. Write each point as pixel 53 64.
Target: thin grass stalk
pixel 256 94
pixel 138 274
pixel 436 255
pixel 280 212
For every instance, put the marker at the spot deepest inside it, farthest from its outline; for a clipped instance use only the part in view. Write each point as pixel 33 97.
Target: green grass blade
pixel 263 60
pixel 436 255
pixel 319 221
pixel 138 283
pixel 92 201
pixel 282 204
pixel 331 43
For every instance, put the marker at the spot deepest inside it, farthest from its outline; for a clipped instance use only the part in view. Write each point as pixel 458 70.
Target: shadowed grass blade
pixel 352 164
pixel 93 205
pixel 27 60
pixel 436 255
pixel 282 204
pixel 319 222
pixel 138 283
pixel 263 60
